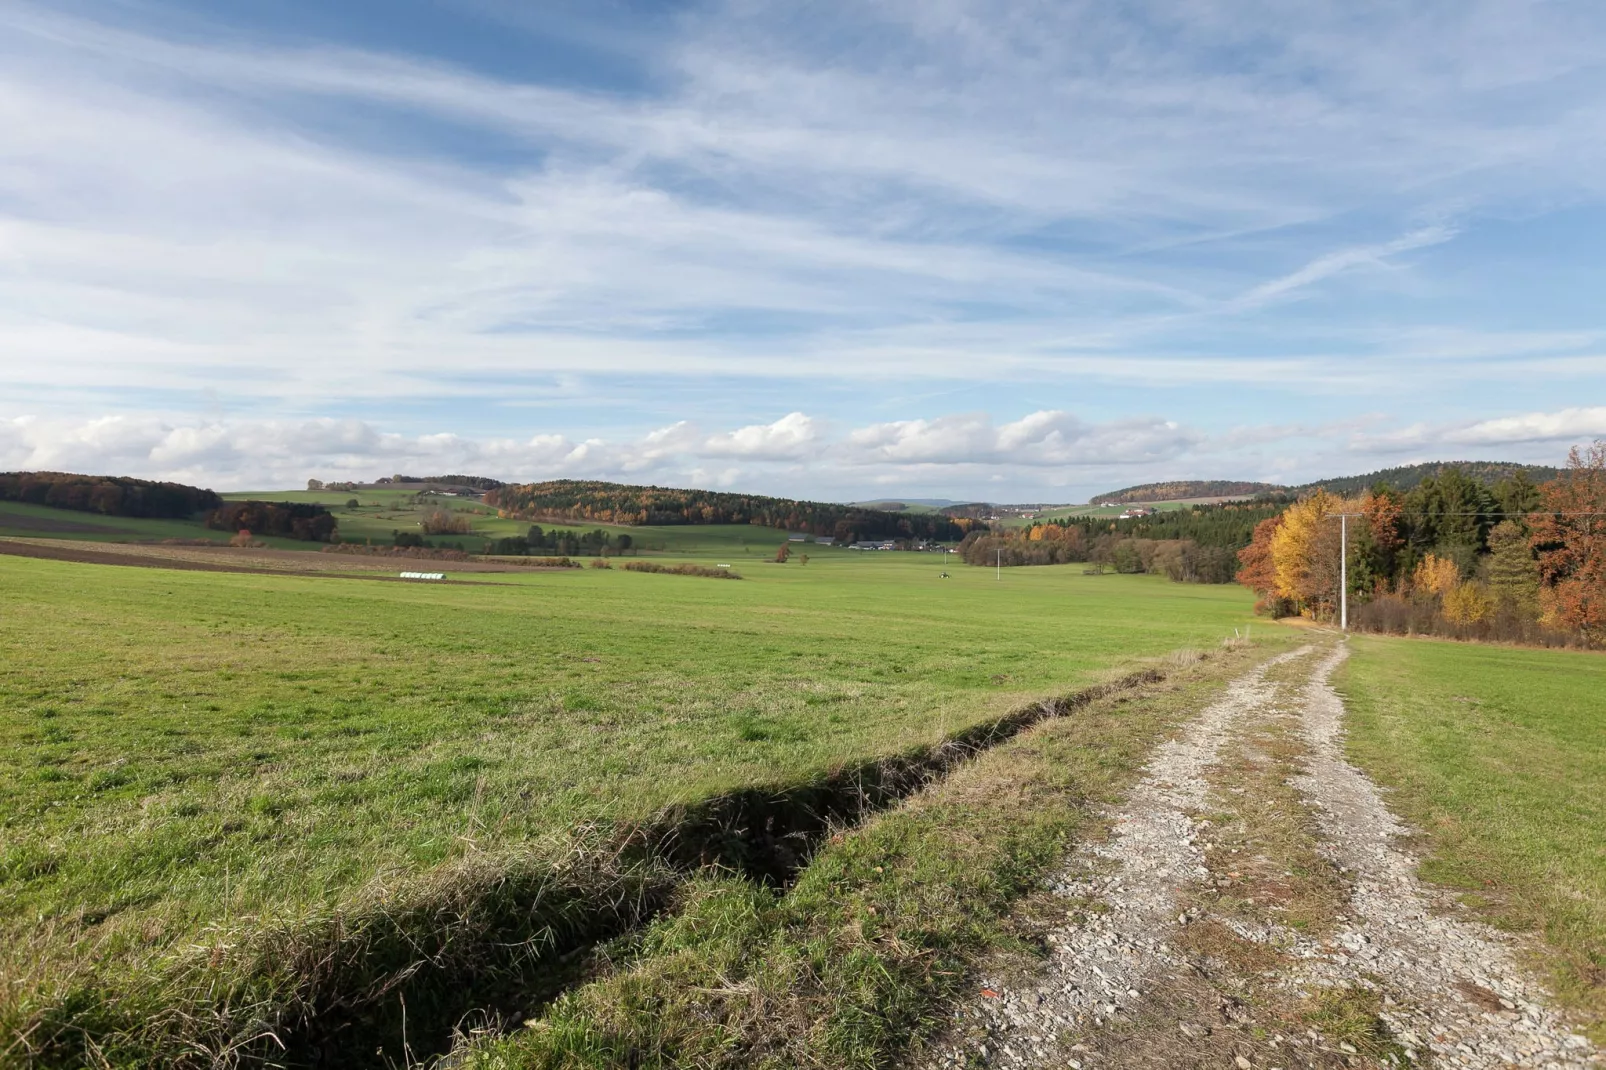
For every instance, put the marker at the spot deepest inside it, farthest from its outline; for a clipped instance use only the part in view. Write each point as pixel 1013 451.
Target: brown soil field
pixel 233 559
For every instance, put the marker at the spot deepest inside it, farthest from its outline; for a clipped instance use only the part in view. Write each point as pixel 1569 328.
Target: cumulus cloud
pixel 1562 427
pixel 266 453
pixel 792 436
pixel 1041 439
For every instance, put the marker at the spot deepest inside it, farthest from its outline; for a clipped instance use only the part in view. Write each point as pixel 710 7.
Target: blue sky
pixel 1016 251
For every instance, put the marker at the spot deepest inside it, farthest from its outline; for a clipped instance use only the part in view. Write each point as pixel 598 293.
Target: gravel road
pixel 1450 991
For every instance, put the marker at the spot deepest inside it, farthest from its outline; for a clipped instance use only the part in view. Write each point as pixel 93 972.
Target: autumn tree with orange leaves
pixel 1259 571
pixel 1570 541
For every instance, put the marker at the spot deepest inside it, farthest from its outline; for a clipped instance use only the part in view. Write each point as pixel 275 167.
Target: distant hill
pixel 1409 476
pixel 617 503
pixel 1183 488
pixel 476 482
pixel 107 495
pixel 900 505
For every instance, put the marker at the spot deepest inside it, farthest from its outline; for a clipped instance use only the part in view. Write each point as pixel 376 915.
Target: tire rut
pixel 1450 990
pixel 1100 964
pixel 1455 986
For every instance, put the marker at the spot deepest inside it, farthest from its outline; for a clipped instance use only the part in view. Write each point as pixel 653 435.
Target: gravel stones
pixel 1099 966
pixel 1451 989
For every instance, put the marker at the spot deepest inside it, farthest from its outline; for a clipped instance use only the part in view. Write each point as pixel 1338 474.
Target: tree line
pixel 1183 560
pixel 614 503
pixel 1227 524
pixel 289 520
pixel 1515 560
pixel 107 495
pixel 477 482
pixel 1184 488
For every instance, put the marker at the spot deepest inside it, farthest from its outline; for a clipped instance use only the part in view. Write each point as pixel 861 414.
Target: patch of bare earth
pixel 1251 908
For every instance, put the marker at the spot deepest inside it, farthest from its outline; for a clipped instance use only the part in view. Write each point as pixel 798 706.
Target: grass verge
pixel 1498 755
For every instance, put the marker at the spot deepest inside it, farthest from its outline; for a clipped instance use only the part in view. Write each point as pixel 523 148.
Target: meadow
pixel 382 513
pixel 1498 755
pixel 187 759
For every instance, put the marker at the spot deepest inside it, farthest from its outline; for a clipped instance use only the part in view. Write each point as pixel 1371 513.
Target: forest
pixel 1408 477
pixel 107 495
pixel 1179 489
pixel 615 503
pixel 477 482
pixel 1228 524
pixel 1453 556
pixel 289 520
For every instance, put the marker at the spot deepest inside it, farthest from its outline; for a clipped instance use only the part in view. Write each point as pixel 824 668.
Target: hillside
pixel 900 505
pixel 1182 488
pixel 615 503
pixel 1408 476
pixel 106 495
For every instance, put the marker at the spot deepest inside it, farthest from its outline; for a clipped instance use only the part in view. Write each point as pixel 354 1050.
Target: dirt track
pixel 1254 908
pixel 253 561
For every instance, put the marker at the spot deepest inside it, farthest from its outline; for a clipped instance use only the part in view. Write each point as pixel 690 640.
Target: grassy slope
pixel 1499 755
pixel 381 514
pixel 179 745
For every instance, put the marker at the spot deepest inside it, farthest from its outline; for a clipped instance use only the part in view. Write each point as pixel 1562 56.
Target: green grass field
pixel 180 749
pixel 1499 756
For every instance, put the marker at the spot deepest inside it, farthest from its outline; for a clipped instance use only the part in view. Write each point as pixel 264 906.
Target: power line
pixel 1536 512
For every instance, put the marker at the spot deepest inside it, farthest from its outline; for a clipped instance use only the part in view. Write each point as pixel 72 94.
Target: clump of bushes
pixel 682 570
pixel 289 520
pixel 598 562
pixel 446 522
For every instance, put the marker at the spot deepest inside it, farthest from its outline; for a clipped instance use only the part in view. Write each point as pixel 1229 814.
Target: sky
pixel 1006 250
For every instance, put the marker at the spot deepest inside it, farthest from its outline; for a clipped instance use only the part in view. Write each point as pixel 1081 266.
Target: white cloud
pixel 1047 455
pixel 1566 425
pixel 876 193
pixel 1337 263
pixel 792 436
pixel 1029 195
pixel 1041 439
pixel 1559 428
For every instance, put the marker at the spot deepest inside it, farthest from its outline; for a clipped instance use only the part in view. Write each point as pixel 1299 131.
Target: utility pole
pixel 1000 566
pixel 1343 572
pixel 1343 567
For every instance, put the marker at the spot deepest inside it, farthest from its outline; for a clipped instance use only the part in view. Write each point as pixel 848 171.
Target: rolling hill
pixel 1408 476
pixel 1183 488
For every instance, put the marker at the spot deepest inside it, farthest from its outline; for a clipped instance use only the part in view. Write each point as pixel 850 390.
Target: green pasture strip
pixel 1498 755
pixel 381 513
pixel 863 956
pixel 182 747
pixel 1110 512
pixel 24 520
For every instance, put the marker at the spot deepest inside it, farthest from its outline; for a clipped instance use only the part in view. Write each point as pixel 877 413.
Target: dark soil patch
pixel 53 526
